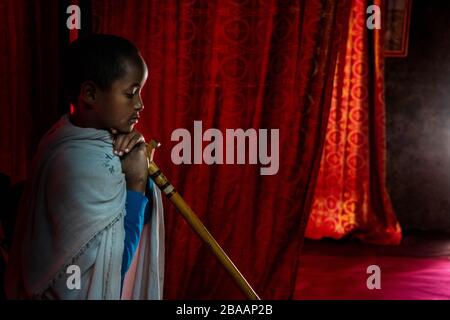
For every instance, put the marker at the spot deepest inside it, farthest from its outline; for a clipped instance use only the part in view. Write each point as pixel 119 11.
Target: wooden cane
pixel 191 218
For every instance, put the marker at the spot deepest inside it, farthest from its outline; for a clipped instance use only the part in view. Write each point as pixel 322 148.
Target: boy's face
pixel 119 107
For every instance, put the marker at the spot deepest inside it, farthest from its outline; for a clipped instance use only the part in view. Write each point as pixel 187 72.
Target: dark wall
pixel 418 121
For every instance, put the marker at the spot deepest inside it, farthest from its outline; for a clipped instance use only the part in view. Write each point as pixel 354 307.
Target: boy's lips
pixel 134 119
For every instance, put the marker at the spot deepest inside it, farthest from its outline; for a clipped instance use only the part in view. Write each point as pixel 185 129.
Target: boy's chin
pixel 124 130
pixel 128 129
pixel 131 127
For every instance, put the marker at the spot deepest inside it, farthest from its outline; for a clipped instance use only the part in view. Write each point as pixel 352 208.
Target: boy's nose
pixel 139 105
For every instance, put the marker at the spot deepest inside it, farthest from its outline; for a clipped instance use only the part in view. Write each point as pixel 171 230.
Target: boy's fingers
pixel 127 143
pixel 118 145
pixel 133 141
pixel 124 143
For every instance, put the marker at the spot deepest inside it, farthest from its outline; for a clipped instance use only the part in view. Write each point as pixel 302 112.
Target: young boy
pixel 82 214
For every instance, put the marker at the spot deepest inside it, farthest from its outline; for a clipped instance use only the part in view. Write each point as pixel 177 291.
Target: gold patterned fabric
pixel 350 198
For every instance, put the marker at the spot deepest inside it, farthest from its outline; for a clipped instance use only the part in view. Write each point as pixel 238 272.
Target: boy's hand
pixel 132 150
pixel 124 143
pixel 135 168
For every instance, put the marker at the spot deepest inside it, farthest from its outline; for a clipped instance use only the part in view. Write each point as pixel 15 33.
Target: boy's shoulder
pixel 81 160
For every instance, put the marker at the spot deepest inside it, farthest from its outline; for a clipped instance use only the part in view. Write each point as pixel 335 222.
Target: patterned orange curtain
pixel 351 198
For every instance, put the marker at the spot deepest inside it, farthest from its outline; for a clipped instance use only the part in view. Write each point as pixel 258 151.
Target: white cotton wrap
pixel 72 213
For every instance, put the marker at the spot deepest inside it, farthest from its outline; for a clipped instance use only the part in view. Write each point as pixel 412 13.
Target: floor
pixel 419 268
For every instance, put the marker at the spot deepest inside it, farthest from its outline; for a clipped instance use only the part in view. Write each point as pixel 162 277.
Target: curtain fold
pixel 235 64
pixel 14 90
pixel 351 198
pixel 30 42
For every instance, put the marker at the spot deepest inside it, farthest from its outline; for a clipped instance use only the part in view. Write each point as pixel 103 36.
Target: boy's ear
pixel 88 92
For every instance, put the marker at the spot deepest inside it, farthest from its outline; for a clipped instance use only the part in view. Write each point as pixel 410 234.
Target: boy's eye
pixel 133 93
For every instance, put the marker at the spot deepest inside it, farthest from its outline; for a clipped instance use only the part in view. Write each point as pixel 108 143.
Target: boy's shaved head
pixel 99 58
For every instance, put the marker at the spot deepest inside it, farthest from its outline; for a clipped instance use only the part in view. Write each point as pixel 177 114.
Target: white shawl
pixel 72 213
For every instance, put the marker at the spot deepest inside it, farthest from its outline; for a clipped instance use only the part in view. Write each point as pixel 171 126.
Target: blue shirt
pixel 138 210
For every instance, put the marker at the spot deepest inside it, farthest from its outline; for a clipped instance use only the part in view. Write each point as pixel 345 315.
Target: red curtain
pixel 235 64
pixel 30 35
pixel 350 196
